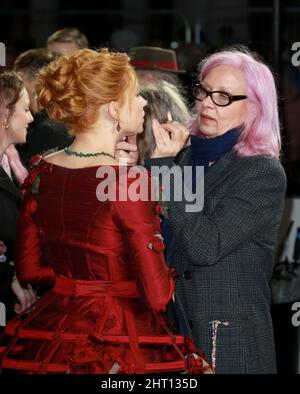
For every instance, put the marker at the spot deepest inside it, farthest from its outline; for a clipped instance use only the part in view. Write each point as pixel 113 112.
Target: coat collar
pixel 7 185
pixel 220 170
pixel 217 173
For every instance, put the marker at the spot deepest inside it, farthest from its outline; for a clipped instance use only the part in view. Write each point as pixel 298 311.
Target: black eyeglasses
pixel 222 99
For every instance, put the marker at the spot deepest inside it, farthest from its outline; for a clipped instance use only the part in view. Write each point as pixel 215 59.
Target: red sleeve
pixel 28 260
pixel 141 226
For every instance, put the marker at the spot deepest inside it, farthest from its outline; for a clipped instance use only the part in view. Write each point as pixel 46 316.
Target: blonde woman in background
pixel 15 117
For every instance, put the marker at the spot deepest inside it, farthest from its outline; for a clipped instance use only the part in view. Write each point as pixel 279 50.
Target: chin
pixel 208 132
pixel 22 140
pixel 139 130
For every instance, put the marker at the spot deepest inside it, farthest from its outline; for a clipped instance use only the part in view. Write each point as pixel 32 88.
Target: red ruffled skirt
pixel 96 327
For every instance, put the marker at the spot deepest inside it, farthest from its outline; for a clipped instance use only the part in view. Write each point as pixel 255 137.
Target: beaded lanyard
pixel 215 326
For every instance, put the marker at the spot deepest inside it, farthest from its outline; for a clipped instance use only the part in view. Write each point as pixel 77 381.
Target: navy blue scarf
pixel 207 150
pixel 203 152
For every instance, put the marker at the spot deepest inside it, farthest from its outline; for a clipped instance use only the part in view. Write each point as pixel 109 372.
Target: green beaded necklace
pixel 80 154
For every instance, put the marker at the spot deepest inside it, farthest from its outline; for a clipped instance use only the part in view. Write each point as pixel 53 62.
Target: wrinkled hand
pixel 126 151
pixel 25 295
pixel 170 138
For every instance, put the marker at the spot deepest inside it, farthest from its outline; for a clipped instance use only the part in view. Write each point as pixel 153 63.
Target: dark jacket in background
pixel 10 199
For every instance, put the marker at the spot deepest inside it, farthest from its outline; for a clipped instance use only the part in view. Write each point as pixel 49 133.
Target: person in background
pixel 15 117
pixel 67 40
pixel 43 133
pixel 165 103
pixel 152 65
pixel 223 251
pixel 163 100
pixel 103 256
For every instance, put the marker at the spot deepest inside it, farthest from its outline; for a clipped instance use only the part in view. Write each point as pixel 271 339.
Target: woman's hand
pixel 127 152
pixel 25 295
pixel 170 138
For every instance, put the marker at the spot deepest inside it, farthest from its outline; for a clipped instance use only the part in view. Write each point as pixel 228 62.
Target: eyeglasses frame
pixel 231 97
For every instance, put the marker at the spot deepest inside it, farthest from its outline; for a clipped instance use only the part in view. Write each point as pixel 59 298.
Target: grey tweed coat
pixel 224 257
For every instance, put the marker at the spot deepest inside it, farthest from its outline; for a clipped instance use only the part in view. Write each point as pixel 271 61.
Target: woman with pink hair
pixel 14 119
pixel 223 251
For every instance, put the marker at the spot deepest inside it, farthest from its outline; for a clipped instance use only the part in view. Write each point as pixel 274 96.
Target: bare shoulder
pixel 56 157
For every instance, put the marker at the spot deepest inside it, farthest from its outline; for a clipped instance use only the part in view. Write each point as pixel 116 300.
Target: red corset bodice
pixel 109 277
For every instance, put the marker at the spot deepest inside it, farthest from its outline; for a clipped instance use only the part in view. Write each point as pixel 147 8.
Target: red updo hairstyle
pixel 72 88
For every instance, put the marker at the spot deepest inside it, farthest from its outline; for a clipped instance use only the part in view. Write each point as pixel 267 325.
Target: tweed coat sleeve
pixel 254 197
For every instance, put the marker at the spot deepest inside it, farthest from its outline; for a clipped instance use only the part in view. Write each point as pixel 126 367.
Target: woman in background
pixel 15 116
pixel 163 99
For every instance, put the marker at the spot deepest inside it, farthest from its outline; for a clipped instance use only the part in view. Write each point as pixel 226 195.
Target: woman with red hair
pixel 103 256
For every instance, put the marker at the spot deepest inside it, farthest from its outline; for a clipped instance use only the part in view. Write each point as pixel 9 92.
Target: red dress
pixel 110 282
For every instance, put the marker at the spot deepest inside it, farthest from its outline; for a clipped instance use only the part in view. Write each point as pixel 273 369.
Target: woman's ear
pixel 6 118
pixel 113 110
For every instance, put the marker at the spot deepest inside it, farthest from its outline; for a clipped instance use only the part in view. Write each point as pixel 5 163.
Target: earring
pixel 118 127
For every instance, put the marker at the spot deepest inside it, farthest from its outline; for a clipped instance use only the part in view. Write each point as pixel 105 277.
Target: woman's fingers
pixel 178 134
pixel 127 152
pixel 128 158
pixel 170 138
pixel 161 135
pixel 26 296
pixel 131 139
pixel 18 308
pixel 31 295
pixel 162 139
pixel 124 145
pixel 19 292
pixel 177 131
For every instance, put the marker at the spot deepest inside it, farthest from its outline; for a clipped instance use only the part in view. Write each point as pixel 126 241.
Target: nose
pixel 144 102
pixel 30 117
pixel 207 102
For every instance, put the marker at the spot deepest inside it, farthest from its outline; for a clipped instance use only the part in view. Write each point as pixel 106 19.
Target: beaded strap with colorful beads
pixel 215 325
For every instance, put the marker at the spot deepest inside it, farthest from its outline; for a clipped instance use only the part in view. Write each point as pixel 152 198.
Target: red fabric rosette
pixel 157 244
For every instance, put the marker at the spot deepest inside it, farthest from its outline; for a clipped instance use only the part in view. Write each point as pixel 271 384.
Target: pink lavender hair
pixel 261 133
